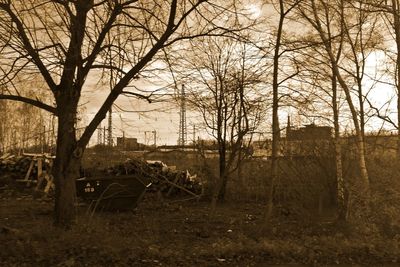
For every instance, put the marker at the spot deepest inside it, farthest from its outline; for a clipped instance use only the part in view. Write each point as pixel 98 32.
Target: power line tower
pixel 100 135
pixel 182 118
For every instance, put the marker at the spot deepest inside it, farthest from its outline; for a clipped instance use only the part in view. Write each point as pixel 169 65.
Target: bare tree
pixel 224 77
pixel 72 42
pixel 391 15
pixel 313 12
pixel 283 9
pixel 362 38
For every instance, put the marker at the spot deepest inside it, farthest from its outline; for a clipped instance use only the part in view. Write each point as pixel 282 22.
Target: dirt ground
pixel 179 234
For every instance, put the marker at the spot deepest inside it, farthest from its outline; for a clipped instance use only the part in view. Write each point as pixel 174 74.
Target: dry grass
pixel 182 235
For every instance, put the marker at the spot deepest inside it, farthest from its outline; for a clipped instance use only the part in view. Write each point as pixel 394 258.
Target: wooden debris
pixel 34 168
pixel 170 182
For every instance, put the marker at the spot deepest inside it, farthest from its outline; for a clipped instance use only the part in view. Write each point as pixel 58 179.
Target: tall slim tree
pixel 284 8
pixel 317 73
pixel 313 11
pixel 360 30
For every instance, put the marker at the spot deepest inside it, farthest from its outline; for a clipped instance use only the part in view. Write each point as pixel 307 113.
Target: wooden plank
pixel 39 167
pixel 50 184
pixel 40 181
pixel 32 164
pixel 177 176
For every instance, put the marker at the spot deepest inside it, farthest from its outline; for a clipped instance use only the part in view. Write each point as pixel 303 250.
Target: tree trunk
pixel 275 117
pixel 65 174
pixel 66 165
pixel 361 106
pixel 398 103
pixel 222 190
pixel 340 195
pixel 396 26
pixel 359 140
pixel 241 178
pixel 218 190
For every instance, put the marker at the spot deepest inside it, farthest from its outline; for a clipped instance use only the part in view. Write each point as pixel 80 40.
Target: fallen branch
pixel 181 188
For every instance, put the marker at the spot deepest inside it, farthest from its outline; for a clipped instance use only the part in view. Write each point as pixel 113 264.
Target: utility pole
pixel 154 132
pixel 182 119
pixel 104 135
pixel 194 134
pixel 109 130
pixel 155 138
pixel 43 139
pixel 123 140
pixel 99 135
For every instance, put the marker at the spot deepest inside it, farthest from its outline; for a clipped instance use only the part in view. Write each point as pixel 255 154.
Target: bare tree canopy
pixel 72 42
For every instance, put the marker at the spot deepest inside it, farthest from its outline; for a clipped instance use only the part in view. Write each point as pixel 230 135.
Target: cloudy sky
pixel 138 118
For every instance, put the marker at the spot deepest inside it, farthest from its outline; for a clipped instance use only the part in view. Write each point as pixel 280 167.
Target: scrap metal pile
pixel 164 179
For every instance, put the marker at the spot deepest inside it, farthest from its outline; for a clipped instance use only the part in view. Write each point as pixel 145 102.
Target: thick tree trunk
pixel 66 165
pixel 65 174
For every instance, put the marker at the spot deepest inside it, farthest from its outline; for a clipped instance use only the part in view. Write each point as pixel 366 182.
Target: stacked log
pixel 18 166
pixel 14 165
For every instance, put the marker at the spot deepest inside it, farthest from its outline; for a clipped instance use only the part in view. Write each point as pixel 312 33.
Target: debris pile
pixel 164 179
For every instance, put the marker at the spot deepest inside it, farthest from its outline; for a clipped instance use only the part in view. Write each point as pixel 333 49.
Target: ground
pixel 179 234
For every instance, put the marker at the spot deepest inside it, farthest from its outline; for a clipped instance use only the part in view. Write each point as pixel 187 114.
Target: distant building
pixel 127 143
pixel 308 140
pixel 375 144
pixel 314 140
pixel 308 132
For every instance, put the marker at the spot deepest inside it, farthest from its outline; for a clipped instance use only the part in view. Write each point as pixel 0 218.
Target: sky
pixel 142 119
pixel 139 118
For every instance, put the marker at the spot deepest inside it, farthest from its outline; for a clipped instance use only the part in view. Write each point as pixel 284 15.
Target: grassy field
pixel 182 234
pixel 165 233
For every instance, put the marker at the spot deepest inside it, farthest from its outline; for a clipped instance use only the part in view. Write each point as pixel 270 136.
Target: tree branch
pixel 137 95
pixel 34 102
pixel 28 46
pixel 124 81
